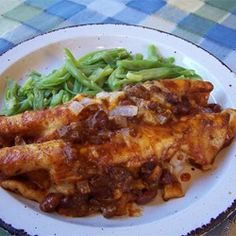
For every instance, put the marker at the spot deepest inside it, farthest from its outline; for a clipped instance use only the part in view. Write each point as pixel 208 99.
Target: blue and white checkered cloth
pixel 209 23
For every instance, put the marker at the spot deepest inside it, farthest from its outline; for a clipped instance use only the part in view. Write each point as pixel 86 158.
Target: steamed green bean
pixel 80 76
pixel 102 70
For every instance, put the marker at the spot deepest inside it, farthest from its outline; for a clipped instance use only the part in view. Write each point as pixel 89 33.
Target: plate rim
pixel 214 222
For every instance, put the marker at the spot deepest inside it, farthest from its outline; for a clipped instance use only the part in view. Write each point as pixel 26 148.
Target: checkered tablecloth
pixel 208 23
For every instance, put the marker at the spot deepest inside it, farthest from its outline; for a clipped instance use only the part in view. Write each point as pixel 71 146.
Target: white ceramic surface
pixel 207 196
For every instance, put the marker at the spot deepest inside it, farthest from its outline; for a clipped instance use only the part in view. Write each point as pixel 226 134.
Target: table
pixel 208 23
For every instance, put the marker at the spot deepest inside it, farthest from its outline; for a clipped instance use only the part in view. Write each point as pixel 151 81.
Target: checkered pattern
pixel 208 23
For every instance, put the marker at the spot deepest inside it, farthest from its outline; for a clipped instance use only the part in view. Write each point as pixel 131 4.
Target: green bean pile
pixel 103 70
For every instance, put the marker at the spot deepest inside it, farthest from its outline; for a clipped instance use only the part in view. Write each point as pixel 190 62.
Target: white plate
pixel 210 194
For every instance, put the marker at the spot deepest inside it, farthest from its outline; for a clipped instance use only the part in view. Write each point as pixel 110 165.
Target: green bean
pixel 11 104
pixel 89 69
pixel 152 53
pixel 100 75
pixel 78 87
pixel 67 89
pixel 47 93
pixel 26 104
pixel 26 87
pixel 29 83
pixel 111 57
pixel 35 74
pixel 185 72
pixel 107 55
pixel 144 75
pixel 121 72
pixel 80 76
pixel 112 81
pixel 59 73
pixel 70 83
pixel 57 98
pixel 52 81
pixel 47 101
pixel 56 74
pixel 154 73
pixel 138 56
pixel 66 97
pixel 70 56
pixel 168 61
pixel 12 89
pixel 138 64
pixel 38 99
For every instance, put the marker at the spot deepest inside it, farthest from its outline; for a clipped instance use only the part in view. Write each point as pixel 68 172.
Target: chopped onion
pixel 76 107
pixel 103 95
pixel 88 101
pixel 111 97
pixel 162 119
pixel 128 111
